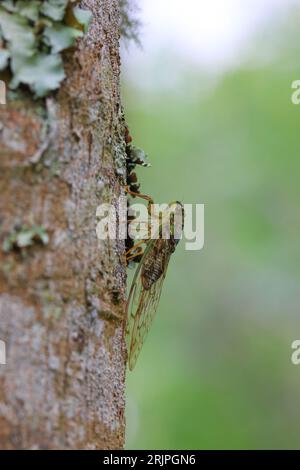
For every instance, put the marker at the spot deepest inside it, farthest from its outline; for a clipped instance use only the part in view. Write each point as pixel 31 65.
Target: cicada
pixel 149 277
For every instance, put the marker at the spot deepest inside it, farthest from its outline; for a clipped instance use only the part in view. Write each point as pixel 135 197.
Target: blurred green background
pixel 215 371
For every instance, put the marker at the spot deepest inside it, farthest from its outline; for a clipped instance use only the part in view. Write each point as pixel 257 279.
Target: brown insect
pixel 148 280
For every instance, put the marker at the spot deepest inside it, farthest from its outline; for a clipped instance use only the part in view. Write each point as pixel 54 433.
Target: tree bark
pixel 62 303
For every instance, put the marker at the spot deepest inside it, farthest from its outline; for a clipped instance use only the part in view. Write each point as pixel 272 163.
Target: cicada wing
pixel 142 306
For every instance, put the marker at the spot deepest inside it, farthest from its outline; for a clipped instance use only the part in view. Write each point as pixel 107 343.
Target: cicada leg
pixel 142 196
pixel 134 247
pixel 135 255
pixel 128 254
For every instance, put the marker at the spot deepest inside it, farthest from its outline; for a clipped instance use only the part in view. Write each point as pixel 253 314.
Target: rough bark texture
pixel 62 304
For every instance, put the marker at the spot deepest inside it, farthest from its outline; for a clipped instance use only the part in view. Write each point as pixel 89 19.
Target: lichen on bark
pixel 33 35
pixel 62 303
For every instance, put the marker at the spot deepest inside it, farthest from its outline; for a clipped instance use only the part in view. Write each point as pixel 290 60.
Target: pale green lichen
pixel 120 158
pixel 138 156
pixel 33 34
pixel 24 238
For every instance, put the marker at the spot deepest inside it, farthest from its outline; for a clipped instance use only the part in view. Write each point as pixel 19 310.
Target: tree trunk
pixel 62 301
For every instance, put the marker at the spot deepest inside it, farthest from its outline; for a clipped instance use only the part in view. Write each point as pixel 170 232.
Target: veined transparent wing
pixel 143 299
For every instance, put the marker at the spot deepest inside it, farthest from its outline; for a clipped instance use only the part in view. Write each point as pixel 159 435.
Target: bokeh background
pixel 208 97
